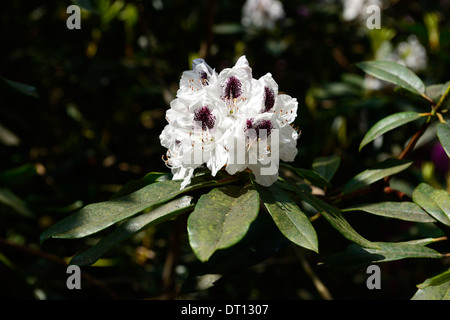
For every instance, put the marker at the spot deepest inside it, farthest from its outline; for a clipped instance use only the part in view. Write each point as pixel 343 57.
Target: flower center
pixel 203 77
pixel 232 89
pixel 204 114
pixel 263 124
pixel 269 99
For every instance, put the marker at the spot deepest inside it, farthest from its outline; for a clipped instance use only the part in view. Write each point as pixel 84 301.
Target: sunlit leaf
pixel 395 73
pixel 408 211
pixel 434 288
pixel 134 185
pixel 132 226
pixel 435 201
pixel 436 280
pixel 290 220
pixel 387 124
pixel 221 218
pixel 98 216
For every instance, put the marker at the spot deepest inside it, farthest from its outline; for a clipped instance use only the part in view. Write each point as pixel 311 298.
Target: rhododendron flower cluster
pixel 229 121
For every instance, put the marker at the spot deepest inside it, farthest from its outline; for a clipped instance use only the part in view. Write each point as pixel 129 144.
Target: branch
pixel 443 99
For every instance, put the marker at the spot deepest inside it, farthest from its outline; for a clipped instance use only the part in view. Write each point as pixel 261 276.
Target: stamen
pixel 203 78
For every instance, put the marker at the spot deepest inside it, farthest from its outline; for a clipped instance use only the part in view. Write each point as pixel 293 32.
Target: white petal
pixel 286 109
pixel 263 179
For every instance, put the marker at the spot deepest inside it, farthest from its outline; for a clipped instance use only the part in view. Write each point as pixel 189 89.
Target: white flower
pixel 357 9
pixel 412 54
pixel 193 81
pixel 262 14
pixel 229 121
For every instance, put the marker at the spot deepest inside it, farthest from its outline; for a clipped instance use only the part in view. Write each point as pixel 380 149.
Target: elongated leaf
pixel 395 73
pixel 355 257
pixel 443 133
pixel 12 200
pixel 434 201
pixel 436 280
pixel 221 219
pixel 134 185
pixel 440 292
pixel 290 220
pixel 132 226
pixel 326 166
pixel 334 217
pixel 408 211
pixel 378 172
pixel 309 175
pixel 435 288
pixel 24 89
pixel 98 216
pixel 387 124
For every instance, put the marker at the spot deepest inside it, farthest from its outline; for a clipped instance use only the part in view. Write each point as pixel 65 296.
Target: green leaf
pixel 395 73
pixel 134 185
pixel 262 241
pixel 387 124
pixel 378 172
pixel 443 133
pixel 132 226
pixel 221 219
pixel 434 201
pixel 290 220
pixel 436 280
pixel 334 216
pixel 408 211
pixel 435 288
pixel 98 216
pixel 326 167
pixel 309 175
pixel 10 199
pixel 24 89
pixel 440 292
pixel 355 257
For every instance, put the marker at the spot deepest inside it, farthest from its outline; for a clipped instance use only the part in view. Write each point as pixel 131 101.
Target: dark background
pixel 103 91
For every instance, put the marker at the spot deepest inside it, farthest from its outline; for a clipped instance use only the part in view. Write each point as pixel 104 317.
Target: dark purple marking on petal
pixel 232 88
pixel 269 99
pixel 204 114
pixel 203 75
pixel 263 124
